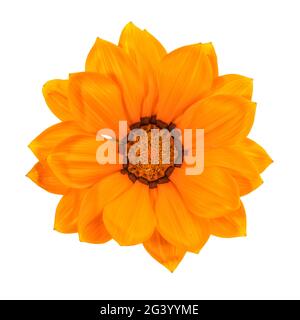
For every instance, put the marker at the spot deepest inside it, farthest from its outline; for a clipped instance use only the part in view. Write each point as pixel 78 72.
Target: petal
pixel 110 60
pixel 202 225
pixel 95 231
pixel 164 252
pixel 225 119
pixel 233 84
pixel 42 175
pixel 257 154
pixel 146 52
pixel 74 162
pixel 210 194
pixel 44 143
pixel 91 227
pixel 56 96
pixel 231 158
pixel 141 45
pixel 237 164
pixel 96 101
pixel 231 225
pixel 130 218
pixel 174 222
pixel 246 185
pixel 66 216
pixel 184 76
pixel 211 54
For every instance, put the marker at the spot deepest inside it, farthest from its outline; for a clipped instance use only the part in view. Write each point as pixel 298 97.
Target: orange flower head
pixel 159 204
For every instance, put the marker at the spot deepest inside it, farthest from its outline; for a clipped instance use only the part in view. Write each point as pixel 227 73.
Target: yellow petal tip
pixel 171 266
pixel 31 145
pixel 130 24
pixel 32 174
pixel 34 148
pixel 198 44
pixel 207 44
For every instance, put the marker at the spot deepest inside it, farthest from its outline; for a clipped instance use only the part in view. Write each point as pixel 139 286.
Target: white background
pixel 42 40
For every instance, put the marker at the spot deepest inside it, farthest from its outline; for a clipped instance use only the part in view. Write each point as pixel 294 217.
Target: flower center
pixel 153 160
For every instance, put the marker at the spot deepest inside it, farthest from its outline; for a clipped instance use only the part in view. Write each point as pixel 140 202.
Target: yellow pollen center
pixel 149 171
pixel 145 170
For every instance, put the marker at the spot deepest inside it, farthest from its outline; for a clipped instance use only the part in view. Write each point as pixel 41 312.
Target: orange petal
pixel 96 101
pixel 202 225
pixel 130 218
pixel 110 60
pixel 237 164
pixel 233 84
pixel 211 54
pixel 66 216
pixel 231 158
pixel 210 194
pixel 74 162
pixel 95 231
pixel 174 222
pixel 246 185
pixel 90 223
pixel 42 175
pixel 44 143
pixel 164 252
pixel 141 45
pixel 225 119
pixel 257 154
pixel 56 95
pixel 184 75
pixel 231 225
pixel 146 52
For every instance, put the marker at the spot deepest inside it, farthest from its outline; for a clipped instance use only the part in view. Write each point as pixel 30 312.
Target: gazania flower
pixel 159 206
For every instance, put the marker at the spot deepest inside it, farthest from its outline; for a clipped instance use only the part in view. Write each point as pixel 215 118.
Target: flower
pixel 138 81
